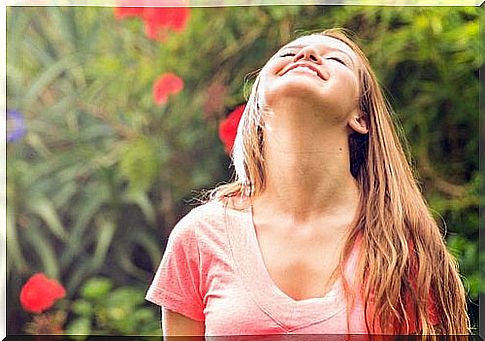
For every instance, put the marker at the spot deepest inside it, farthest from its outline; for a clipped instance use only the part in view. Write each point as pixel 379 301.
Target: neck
pixel 307 168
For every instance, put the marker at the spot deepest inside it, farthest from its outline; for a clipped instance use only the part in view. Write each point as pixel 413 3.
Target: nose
pixel 308 53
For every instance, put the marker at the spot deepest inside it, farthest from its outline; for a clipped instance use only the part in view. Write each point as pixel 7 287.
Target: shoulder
pixel 208 221
pixel 200 217
pixel 214 211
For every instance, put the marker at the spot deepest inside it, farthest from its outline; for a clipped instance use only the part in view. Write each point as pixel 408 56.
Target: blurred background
pixel 118 118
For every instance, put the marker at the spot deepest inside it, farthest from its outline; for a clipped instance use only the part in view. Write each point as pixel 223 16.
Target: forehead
pixel 323 42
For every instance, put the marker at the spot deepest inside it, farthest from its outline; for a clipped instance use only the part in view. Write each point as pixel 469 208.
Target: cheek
pixel 350 86
pixel 265 78
pixel 270 70
pixel 268 80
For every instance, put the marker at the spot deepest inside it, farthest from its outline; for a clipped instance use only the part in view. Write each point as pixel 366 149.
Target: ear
pixel 358 123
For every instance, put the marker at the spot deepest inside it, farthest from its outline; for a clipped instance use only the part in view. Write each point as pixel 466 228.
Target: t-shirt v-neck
pixel 289 313
pixel 213 271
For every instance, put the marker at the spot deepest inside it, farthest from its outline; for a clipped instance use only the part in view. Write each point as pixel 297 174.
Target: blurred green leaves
pixel 140 164
pixel 101 310
pixel 96 288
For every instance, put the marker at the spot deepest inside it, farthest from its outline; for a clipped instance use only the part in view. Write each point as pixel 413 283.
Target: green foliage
pixel 103 173
pixel 100 310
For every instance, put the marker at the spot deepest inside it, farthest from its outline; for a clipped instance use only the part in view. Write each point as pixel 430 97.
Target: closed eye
pixel 338 60
pixel 287 54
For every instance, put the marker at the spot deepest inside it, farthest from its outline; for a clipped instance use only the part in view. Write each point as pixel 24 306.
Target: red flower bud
pixel 167 84
pixel 40 293
pixel 228 127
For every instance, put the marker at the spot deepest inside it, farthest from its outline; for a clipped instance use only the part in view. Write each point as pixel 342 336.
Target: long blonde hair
pixel 403 259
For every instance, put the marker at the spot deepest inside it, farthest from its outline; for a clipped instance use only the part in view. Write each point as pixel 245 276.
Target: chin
pixel 291 90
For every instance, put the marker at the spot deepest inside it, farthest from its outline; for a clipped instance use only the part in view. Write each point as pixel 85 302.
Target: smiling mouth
pixel 307 69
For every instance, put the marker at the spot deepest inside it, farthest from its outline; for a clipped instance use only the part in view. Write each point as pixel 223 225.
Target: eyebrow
pixel 328 48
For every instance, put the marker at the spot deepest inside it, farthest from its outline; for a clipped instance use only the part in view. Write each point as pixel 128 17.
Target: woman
pixel 324 230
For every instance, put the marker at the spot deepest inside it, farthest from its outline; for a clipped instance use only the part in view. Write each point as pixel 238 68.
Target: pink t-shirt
pixel 213 271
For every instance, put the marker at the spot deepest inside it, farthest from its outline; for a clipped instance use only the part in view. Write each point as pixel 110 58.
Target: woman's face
pixel 320 70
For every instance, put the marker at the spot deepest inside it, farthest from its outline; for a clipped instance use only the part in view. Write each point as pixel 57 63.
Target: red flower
pixel 40 293
pixel 167 84
pixel 158 20
pixel 122 12
pixel 228 127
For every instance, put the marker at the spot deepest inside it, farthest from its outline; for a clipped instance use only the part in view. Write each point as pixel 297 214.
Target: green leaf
pixel 143 315
pixel 81 327
pixel 139 164
pixel 49 75
pixel 96 288
pixel 45 209
pixel 43 249
pixel 82 307
pixel 105 231
pixel 94 197
pixel 14 249
pixel 127 297
pixel 66 192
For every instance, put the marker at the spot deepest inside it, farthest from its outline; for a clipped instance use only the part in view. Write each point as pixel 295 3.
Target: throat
pixel 304 179
pixel 302 200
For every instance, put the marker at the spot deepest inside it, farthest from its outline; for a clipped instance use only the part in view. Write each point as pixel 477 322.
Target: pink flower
pixel 166 85
pixel 40 293
pixel 228 127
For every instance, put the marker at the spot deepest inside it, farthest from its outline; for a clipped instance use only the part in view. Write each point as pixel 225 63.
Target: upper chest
pixel 246 292
pixel 302 265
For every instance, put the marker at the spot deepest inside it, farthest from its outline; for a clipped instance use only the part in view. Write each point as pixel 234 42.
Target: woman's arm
pixel 174 324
